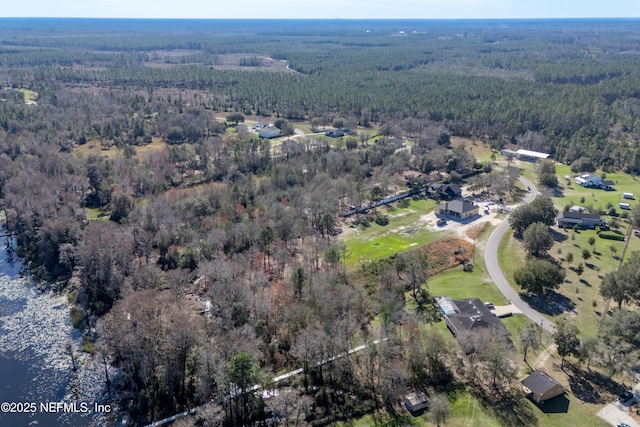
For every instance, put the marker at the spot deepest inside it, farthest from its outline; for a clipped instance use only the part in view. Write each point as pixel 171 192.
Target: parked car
pixel 626 396
pixel 441 222
pixel 623 425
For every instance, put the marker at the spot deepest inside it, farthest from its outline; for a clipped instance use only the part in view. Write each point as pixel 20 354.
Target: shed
pixel 540 387
pixel 628 196
pixel 416 401
pixel 626 206
pixel 531 155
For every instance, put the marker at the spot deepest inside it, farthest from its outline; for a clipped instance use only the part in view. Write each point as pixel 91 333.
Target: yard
pixel 406 229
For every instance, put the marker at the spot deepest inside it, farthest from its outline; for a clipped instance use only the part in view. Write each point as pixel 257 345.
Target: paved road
pixel 493 267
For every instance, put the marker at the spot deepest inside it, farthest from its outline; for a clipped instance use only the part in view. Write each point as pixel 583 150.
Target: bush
pixel 88 346
pixel 404 203
pixel 610 236
pixel 77 317
pixel 382 220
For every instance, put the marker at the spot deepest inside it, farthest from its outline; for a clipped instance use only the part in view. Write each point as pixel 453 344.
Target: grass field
pixel 578 296
pixel 403 232
pixel 459 284
pixel 94 147
pixel 29 95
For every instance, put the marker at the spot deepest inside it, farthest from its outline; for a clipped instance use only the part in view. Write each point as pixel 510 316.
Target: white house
pixel 589 180
pixel 269 132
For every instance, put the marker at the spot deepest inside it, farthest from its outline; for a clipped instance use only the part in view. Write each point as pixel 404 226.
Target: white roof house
pixel 521 153
pixel 589 180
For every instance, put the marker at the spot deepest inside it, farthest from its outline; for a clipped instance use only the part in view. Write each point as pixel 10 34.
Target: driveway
pixel 615 412
pixel 493 266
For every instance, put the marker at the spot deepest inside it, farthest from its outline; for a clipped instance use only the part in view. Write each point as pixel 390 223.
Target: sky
pixel 323 9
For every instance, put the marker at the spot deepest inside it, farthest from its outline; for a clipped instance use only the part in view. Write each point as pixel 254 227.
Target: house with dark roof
pixel 582 220
pixel 608 185
pixel 334 133
pixel 444 191
pixel 458 208
pixel 539 387
pixel 468 315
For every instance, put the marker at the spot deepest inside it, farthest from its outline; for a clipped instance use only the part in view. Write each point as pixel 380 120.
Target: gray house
pixel 582 220
pixel 269 132
pixel 539 386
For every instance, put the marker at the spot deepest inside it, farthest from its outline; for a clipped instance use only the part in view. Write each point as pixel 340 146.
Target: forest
pixel 183 212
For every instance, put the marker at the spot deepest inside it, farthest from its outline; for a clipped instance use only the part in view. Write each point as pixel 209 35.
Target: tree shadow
pixel 557 236
pixel 551 303
pixel 589 265
pixel 584 389
pixel 512 410
pixel 588 385
pixel 584 282
pixel 556 405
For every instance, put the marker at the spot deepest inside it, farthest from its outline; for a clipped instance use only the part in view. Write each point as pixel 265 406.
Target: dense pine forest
pixel 184 210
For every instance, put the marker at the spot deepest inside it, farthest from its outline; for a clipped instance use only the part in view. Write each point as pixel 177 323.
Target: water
pixel 36 375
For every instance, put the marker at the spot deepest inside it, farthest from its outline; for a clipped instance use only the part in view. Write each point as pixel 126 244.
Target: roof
pixel 455 188
pixel 459 206
pixel 539 383
pixel 530 153
pixel 468 314
pixel 417 398
pixel 608 182
pixel 578 215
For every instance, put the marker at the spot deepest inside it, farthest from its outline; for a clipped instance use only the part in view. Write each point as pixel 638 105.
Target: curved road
pixel 493 267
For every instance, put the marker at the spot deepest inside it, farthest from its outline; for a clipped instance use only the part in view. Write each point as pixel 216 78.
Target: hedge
pixel 610 236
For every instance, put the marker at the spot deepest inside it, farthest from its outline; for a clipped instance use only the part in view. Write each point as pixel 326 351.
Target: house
pixel 582 220
pixel 269 132
pixel 468 315
pixel 334 133
pixel 508 153
pixel 589 180
pixel 444 191
pixel 416 401
pixel 458 208
pixel 608 185
pixel 260 125
pixel 531 156
pixel 540 387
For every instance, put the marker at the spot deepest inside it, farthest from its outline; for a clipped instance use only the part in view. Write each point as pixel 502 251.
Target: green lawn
pixel 29 95
pixel 96 214
pixel 403 232
pixel 458 284
pixel 581 290
pixel 466 411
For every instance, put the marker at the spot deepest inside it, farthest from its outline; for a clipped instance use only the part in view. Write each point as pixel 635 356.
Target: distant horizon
pixel 325 9
pixel 595 18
